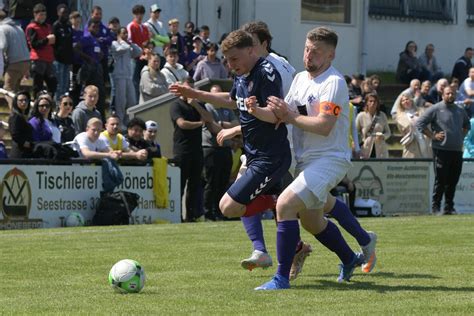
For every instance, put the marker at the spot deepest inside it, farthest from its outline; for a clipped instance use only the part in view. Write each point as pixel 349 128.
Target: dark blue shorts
pixel 261 177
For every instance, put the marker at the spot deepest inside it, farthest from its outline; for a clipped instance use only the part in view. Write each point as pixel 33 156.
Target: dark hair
pixel 122 28
pixel 376 97
pixel 468 49
pixel 237 39
pixel 96 8
pixel 138 9
pixel 61 6
pixel 204 28
pixel 74 15
pixel 15 107
pixel 260 29
pixel 136 122
pixel 63 96
pixel 113 115
pixel 408 44
pixel 39 7
pixel 323 34
pixel 189 24
pixel 36 113
pixel 114 20
pixel 213 46
pixel 171 51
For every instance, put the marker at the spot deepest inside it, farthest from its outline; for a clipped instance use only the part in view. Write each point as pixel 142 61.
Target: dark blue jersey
pixel 260 138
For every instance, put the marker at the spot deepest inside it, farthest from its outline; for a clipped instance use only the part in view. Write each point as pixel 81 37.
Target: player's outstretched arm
pixel 322 124
pixel 228 133
pixel 263 114
pixel 221 99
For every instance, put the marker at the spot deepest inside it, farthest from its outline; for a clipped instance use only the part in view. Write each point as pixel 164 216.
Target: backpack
pixel 115 208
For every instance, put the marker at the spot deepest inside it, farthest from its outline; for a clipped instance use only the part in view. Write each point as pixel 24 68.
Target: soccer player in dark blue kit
pixel 265 145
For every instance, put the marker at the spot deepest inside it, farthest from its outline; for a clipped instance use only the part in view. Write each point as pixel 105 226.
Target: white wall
pixel 388 38
pixel 284 19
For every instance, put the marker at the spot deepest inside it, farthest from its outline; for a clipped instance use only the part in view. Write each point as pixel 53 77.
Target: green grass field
pixel 425 266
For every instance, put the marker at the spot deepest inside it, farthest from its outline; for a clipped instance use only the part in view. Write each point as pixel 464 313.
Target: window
pixel 332 11
pixel 470 12
pixel 424 10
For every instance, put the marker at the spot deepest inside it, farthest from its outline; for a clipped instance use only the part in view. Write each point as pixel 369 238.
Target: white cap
pixel 151 125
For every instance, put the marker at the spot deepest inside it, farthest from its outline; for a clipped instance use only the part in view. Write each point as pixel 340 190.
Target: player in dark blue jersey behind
pixel 266 146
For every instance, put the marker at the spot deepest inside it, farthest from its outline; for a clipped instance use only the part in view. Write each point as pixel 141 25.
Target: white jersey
pixel 287 73
pixel 328 93
pixel 285 70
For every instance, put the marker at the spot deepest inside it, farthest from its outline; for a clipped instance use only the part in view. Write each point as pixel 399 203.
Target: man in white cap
pixel 150 137
pixel 158 34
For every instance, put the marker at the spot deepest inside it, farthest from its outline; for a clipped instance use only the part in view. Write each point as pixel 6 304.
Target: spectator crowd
pixel 86 73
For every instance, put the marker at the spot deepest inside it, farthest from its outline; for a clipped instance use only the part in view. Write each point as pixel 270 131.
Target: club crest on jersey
pixel 311 99
pixel 250 86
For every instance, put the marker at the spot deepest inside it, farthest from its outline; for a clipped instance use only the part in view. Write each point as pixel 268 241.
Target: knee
pixel 285 209
pixel 230 208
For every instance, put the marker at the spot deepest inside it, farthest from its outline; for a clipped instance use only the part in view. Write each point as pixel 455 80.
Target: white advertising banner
pixel 399 186
pixel 35 196
pixel 464 196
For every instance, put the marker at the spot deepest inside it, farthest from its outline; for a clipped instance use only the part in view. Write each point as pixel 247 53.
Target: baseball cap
pixel 155 7
pixel 358 76
pixel 151 125
pixel 197 37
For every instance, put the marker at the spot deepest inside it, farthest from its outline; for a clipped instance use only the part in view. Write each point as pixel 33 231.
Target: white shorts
pixel 315 179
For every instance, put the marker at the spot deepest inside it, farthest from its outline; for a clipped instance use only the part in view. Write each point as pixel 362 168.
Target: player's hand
pixel 251 104
pixel 142 154
pixel 278 106
pixel 179 90
pixel 225 134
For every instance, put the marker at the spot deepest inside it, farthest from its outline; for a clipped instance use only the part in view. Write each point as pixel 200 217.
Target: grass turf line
pixel 425 265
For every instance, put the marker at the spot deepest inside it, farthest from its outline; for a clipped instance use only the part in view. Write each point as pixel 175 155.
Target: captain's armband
pixel 330 108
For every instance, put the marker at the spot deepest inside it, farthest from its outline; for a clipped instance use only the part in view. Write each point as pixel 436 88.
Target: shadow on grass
pixel 389 275
pixel 379 288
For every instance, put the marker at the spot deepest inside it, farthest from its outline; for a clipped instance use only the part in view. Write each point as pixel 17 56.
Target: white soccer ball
pixel 127 276
pixel 75 219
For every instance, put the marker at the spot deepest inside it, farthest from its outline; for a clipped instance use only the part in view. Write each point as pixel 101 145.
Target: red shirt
pixel 138 33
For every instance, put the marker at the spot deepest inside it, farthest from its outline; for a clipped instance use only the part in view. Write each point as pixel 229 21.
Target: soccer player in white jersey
pixel 317 106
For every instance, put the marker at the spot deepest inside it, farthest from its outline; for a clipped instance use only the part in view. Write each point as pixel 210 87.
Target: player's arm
pixel 322 124
pixel 228 134
pixel 141 154
pixel 221 99
pixel 263 114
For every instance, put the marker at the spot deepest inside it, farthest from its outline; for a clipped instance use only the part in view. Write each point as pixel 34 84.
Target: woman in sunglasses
pixel 62 119
pixel 20 131
pixel 40 121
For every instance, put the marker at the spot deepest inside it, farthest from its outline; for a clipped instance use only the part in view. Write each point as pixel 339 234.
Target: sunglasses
pixel 44 105
pixel 67 103
pixel 22 100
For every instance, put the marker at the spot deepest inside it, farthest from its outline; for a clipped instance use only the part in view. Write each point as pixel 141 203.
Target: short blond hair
pixel 91 88
pixel 94 121
pixel 173 21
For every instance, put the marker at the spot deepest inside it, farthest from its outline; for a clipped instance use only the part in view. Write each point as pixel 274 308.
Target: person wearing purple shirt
pixel 91 72
pixel 104 37
pixel 77 34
